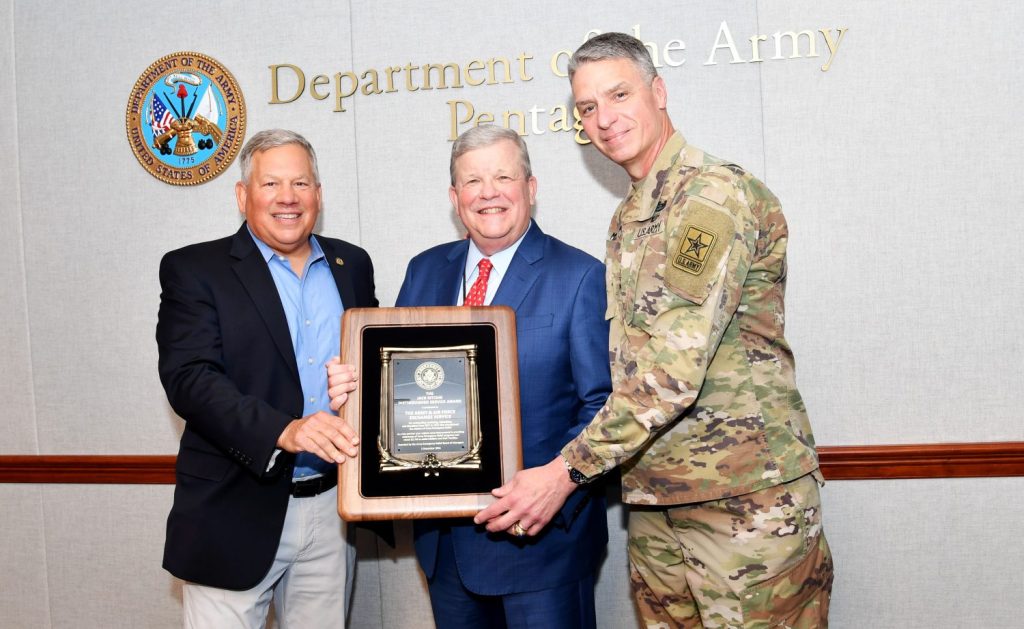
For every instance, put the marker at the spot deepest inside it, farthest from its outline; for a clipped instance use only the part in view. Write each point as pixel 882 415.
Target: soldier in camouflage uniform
pixel 717 456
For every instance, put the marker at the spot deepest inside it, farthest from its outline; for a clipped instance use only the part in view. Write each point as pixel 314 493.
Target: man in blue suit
pixel 544 576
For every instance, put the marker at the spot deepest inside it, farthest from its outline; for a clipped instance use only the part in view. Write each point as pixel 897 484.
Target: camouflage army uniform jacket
pixel 704 402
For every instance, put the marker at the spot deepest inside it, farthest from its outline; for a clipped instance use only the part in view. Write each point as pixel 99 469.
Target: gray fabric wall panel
pixel 894 167
pixel 17 421
pixel 104 545
pixel 390 589
pixel 904 312
pixel 613 579
pixel 925 554
pixel 368 600
pixel 89 219
pixel 24 591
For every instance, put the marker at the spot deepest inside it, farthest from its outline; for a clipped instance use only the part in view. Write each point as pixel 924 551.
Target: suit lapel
pixel 340 271
pixel 252 272
pixel 450 276
pixel 523 272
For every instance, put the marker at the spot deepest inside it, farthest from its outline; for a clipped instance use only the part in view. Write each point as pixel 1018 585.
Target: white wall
pixel 896 169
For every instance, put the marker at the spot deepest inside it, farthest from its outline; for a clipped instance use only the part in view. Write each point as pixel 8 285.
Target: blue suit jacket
pixel 558 294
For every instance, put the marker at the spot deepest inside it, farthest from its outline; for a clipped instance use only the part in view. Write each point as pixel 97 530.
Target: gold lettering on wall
pixel 462 115
pixel 300 78
pixel 793 42
pixel 288 81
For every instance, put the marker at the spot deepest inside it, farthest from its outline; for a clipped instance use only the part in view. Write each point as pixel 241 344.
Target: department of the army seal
pixel 429 375
pixel 185 119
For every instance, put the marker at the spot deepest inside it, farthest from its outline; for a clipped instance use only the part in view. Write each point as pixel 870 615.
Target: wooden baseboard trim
pixel 128 469
pixel 939 460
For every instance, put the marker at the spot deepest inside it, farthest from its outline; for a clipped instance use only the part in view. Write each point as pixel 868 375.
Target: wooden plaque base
pixel 366 493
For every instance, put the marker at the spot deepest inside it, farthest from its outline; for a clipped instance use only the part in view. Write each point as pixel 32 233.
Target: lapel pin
pixel 339 262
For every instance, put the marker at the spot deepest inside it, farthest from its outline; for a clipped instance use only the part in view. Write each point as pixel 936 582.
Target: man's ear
pixel 660 92
pixel 241 194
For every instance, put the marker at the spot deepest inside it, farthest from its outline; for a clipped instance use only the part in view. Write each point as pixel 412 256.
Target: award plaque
pixel 436 410
pixel 430 412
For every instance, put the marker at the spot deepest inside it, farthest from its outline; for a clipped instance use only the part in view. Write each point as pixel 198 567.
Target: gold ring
pixel 518 530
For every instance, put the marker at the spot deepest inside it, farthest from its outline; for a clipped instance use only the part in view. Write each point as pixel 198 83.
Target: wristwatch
pixel 576 476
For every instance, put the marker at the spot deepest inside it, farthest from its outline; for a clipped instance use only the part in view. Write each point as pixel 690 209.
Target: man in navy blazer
pixel 539 577
pixel 246 325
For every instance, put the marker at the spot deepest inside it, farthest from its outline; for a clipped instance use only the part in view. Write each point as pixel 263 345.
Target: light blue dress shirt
pixel 313 308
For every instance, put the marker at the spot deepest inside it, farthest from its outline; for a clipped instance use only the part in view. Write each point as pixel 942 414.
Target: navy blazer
pixel 227 364
pixel 558 294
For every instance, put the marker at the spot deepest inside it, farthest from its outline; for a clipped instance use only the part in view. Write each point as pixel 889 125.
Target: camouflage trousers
pixel 753 561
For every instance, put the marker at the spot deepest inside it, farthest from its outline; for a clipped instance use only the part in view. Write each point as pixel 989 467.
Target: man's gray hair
pixel 486 135
pixel 614 46
pixel 271 139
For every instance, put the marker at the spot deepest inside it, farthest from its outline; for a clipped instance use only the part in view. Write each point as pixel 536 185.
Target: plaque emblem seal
pixel 185 118
pixel 429 376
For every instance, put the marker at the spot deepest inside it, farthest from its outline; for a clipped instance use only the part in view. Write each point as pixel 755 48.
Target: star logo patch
pixel 697 243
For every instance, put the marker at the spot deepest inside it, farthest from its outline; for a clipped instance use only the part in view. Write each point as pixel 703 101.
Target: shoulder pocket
pixel 697 251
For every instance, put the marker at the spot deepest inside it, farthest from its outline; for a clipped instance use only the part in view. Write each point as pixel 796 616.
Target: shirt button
pixel 307 322
pixel 310 361
pixel 312 400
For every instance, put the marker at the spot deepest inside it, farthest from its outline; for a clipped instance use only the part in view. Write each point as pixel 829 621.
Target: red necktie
pixel 479 290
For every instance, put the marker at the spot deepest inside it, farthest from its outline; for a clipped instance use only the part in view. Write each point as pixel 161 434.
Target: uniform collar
pixel 641 203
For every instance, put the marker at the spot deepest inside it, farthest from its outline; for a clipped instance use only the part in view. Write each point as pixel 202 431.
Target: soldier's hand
pixel 341 380
pixel 531 499
pixel 327 436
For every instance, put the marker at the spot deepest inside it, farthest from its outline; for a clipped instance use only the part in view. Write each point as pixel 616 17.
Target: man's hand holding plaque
pixel 325 435
pixel 341 380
